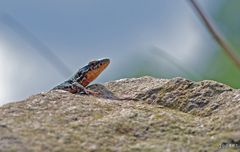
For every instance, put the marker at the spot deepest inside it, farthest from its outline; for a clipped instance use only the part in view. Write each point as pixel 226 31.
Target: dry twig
pixel 220 40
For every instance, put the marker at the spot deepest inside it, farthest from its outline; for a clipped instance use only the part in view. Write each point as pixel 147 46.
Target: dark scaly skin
pixel 84 76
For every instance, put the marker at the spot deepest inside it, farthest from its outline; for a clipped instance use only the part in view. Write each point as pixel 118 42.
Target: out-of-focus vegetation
pixel 227 20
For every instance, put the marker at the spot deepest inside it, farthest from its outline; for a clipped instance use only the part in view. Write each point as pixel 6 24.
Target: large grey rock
pixel 138 114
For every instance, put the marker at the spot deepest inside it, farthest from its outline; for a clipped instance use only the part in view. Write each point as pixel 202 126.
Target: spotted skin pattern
pixel 84 76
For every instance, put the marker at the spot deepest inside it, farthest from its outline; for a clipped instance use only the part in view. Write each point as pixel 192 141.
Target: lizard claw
pixel 84 90
pixel 93 93
pixel 90 92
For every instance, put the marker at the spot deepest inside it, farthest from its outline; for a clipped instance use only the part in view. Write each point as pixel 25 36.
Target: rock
pixel 137 114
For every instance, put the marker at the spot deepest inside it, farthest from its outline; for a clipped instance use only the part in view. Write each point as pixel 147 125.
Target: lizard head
pixel 97 66
pixel 93 69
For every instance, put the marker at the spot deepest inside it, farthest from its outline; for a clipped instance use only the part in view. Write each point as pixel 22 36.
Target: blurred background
pixel 42 43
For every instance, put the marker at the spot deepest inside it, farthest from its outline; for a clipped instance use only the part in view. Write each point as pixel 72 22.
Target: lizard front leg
pixel 79 88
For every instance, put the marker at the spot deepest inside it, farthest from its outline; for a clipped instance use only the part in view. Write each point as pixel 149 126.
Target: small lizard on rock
pixel 84 76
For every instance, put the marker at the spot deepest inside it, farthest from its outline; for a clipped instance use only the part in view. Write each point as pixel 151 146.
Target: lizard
pixel 85 75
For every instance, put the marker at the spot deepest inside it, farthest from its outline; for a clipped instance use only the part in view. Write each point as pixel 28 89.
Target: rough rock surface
pixel 138 114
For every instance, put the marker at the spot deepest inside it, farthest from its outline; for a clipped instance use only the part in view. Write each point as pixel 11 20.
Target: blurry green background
pixel 160 38
pixel 226 18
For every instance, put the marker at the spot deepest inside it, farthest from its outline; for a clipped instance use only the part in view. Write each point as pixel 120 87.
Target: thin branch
pixel 220 40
